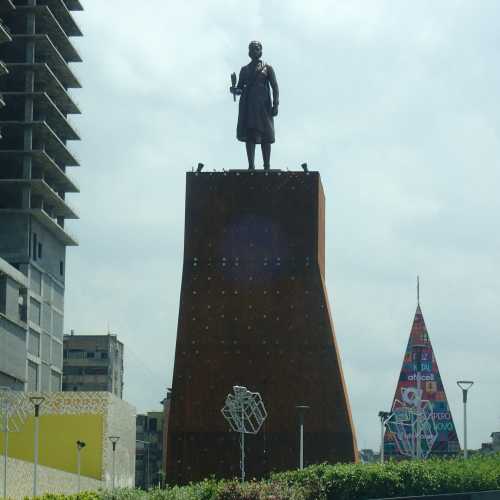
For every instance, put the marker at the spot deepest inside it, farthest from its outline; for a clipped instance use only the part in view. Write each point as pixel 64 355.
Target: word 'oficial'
pixel 423 378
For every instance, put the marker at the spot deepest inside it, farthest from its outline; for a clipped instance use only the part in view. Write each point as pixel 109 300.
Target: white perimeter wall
pixel 20 480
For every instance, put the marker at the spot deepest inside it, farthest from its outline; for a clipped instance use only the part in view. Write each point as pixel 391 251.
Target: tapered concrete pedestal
pixel 254 312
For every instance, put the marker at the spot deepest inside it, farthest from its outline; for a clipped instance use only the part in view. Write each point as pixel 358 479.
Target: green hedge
pixel 394 479
pixel 333 482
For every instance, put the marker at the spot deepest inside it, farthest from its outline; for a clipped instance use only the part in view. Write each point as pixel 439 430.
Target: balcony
pixel 44 135
pixel 45 107
pixel 47 221
pixel 52 203
pixel 42 161
pixel 73 4
pixel 86 362
pixel 58 206
pixel 47 24
pixel 46 52
pixel 6 5
pixel 4 34
pixel 63 15
pixel 46 81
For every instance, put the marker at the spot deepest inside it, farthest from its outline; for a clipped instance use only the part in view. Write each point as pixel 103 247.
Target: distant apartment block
pixel 93 363
pixel 35 75
pixel 149 450
pixel 493 446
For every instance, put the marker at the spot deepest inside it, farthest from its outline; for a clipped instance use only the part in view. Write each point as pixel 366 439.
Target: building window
pixel 36 281
pixel 34 343
pixel 61 267
pixel 55 381
pixel 35 245
pixel 75 354
pixel 32 377
pixel 90 354
pixel 39 250
pixel 35 311
pixel 96 370
pixel 104 355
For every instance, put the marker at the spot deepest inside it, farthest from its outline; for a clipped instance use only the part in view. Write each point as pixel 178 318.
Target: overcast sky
pixel 396 103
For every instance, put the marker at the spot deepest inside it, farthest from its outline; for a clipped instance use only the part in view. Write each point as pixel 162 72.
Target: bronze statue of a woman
pixel 256 110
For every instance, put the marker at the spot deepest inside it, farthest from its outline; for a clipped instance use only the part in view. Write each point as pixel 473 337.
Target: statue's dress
pixel 255 121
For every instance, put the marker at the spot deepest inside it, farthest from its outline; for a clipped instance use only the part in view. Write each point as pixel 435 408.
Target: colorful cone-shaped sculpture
pixel 421 425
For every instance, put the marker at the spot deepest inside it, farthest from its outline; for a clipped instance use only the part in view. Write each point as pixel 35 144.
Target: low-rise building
pixel 493 446
pixel 368 456
pixel 65 418
pixel 93 363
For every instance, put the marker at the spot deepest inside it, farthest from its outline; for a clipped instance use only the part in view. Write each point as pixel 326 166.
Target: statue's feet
pixel 251 167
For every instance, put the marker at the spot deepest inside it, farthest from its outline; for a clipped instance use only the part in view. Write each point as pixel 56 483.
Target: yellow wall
pixel 57 445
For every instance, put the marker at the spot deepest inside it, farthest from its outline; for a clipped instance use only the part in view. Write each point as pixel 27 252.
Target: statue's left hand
pixel 274 111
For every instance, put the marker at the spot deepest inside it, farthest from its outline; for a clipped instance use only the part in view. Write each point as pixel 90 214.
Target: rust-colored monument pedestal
pixel 254 312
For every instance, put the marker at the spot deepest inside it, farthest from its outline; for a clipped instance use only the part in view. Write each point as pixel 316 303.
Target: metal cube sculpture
pixel 244 410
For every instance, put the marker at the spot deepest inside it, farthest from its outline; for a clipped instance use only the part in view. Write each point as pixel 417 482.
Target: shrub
pixel 405 478
pixel 332 482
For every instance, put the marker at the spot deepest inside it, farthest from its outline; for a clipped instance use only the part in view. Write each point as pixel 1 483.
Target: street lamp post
pixel 79 446
pixel 37 402
pixel 114 440
pixel 465 385
pixel 384 416
pixel 302 410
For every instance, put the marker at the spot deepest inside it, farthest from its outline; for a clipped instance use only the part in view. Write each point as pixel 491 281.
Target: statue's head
pixel 255 50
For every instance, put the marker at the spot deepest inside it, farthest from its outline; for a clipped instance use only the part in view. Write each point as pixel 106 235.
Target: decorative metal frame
pixel 245 412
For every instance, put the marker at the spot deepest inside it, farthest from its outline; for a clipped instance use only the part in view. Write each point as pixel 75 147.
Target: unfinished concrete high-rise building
pixel 33 174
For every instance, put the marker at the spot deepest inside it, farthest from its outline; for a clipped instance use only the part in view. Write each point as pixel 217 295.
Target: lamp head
pixel 304 167
pixel 465 385
pixel 80 445
pixel 200 167
pixel 114 439
pixel 37 399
